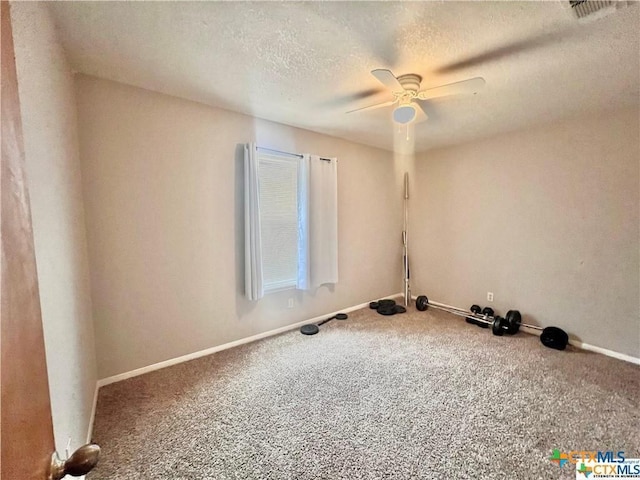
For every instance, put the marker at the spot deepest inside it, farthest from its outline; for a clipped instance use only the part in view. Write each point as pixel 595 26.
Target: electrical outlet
pixel 490 296
pixel 290 303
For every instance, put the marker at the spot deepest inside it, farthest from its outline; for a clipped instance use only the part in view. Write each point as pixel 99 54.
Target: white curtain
pixel 304 278
pixel 254 287
pixel 323 221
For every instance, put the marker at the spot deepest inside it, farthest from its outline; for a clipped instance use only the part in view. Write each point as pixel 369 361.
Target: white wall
pixel 163 194
pixel 47 100
pixel 547 219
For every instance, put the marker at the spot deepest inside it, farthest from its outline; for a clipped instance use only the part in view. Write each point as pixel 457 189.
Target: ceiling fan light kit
pixel 404 113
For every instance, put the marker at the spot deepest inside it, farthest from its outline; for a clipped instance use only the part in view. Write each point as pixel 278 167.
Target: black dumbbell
pixel 475 309
pixel 486 313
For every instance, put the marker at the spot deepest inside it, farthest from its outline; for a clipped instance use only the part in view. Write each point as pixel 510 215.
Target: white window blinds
pixel 278 196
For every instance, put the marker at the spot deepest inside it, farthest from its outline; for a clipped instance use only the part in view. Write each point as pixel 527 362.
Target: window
pixel 290 221
pixel 278 196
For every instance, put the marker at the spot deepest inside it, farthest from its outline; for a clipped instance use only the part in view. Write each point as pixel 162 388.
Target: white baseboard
pixel 575 343
pixel 202 353
pixel 604 351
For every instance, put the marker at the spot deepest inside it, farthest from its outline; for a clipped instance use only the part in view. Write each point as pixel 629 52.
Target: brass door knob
pixel 80 463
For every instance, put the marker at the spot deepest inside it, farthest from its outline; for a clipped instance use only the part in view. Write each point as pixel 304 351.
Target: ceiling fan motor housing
pixel 410 81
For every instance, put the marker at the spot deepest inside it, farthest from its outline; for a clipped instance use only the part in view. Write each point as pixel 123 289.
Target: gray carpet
pixel 419 395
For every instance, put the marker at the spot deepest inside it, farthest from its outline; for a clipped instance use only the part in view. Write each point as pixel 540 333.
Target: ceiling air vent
pixel 595 8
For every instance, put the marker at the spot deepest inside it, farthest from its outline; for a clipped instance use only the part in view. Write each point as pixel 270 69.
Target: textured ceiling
pixel 305 64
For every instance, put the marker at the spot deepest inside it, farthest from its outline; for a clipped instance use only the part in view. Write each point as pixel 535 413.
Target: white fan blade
pixel 387 78
pixel 373 107
pixel 472 85
pixel 421 115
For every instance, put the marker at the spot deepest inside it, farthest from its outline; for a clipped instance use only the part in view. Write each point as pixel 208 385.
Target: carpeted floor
pixel 419 395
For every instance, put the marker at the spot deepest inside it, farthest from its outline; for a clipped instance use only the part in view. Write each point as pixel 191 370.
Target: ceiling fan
pixel 406 94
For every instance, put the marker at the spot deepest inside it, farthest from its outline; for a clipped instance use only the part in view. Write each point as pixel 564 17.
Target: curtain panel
pixel 254 286
pixel 323 221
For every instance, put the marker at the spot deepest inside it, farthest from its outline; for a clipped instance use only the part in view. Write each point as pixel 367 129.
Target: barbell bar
pixel 552 337
pixel 510 324
pixel 422 303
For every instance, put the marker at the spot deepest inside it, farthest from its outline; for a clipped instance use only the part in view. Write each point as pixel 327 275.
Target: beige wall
pixel 163 195
pixel 546 219
pixel 47 98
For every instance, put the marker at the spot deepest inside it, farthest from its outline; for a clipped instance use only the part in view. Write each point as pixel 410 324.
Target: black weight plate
pixel 512 322
pixel 374 305
pixel 422 303
pixel 341 316
pixel 488 311
pixel 387 302
pixel 483 324
pixel 497 327
pixel 400 309
pixel 475 308
pixel 387 310
pixel 470 320
pixel 554 337
pixel 309 329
